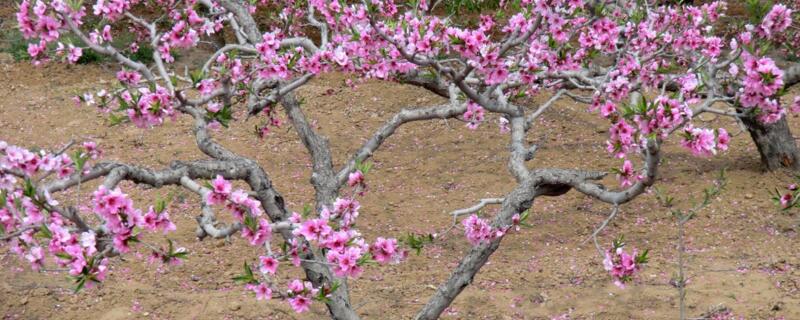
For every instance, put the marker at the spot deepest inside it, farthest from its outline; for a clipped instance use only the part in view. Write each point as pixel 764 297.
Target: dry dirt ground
pixel 744 253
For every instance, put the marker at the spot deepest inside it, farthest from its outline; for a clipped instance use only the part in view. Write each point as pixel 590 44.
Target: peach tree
pixel 647 69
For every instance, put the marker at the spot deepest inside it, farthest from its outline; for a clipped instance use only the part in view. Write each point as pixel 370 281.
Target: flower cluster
pixel 149 108
pixel 41 229
pixel 776 21
pixel 761 81
pixel 121 218
pixel 478 230
pixel 333 232
pixel 704 142
pixel 474 115
pixel 787 199
pixel 300 295
pixel 31 163
pixel 621 265
pixel 244 209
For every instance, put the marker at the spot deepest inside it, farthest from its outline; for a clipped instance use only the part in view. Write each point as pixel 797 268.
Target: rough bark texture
pixel 775 143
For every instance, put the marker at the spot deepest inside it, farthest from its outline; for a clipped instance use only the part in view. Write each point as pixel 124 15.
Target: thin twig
pixel 600 228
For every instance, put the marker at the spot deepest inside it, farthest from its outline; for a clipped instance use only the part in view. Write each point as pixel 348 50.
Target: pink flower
pixel 36 257
pixel 299 293
pixel 259 236
pixel 221 189
pixel 723 138
pixel 92 150
pixel 74 54
pixel 300 304
pixel 384 250
pixel 268 264
pixel 337 241
pixel 504 125
pixel 795 107
pixel 214 107
pixel 515 220
pixel 713 47
pixel 620 265
pixel 355 178
pixel 34 49
pixel 621 139
pixel 346 263
pixel 340 56
pixel 477 230
pixel 699 141
pixel 776 21
pixel 626 175
pixel 314 229
pixel 473 115
pixel 107 33
pixel 607 109
pixel 214 125
pixel 129 77
pixel 207 86
pixel 158 221
pixel 786 200
pixel 263 292
pixel 733 69
pixel 296 286
pixel 221 185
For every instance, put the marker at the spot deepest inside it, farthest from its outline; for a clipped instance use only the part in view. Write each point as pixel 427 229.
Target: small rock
pixel 40 292
pixel 146 314
pixel 23 301
pixel 748 196
pixel 195 278
pixel 235 306
pixel 6 58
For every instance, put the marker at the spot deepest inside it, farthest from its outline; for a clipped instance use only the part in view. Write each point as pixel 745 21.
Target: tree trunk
pixel 775 143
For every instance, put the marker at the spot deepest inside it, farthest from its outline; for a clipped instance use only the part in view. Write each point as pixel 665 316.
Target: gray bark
pixel 775 143
pixel 542 182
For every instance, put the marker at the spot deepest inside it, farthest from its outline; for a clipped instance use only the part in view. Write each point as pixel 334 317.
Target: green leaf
pixel 365 259
pixel 64 256
pixel 284 248
pixel 180 255
pixel 81 281
pixel 293 60
pixel 417 242
pixel 250 222
pixel 79 158
pixel 642 258
pixel 524 216
pixel 115 119
pixel 224 115
pixel 247 277
pixel 618 242
pixel 3 199
pixel 196 76
pixel 29 190
pixel 161 205
pixel 44 232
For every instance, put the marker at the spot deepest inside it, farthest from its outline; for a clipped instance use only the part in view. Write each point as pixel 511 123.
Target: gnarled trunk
pixel 775 143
